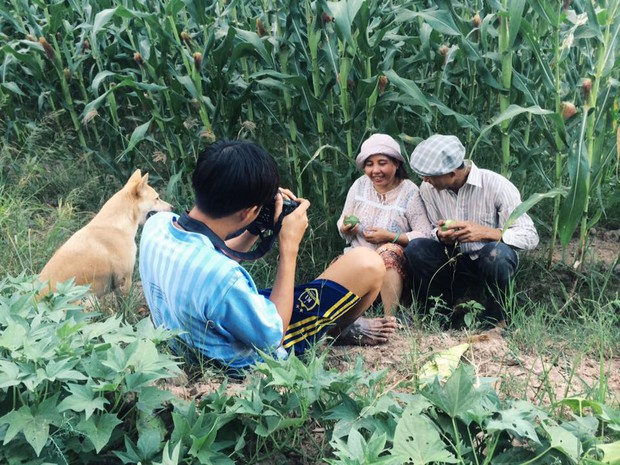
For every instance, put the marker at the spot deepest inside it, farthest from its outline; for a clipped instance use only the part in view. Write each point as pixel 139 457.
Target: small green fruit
pixel 446 225
pixel 351 220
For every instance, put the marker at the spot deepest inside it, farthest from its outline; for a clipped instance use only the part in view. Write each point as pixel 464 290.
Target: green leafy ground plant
pixel 73 386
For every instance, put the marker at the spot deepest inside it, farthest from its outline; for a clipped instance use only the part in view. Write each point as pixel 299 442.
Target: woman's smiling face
pixel 381 170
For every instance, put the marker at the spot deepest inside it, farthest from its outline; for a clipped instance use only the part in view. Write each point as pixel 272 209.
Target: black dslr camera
pixel 265 219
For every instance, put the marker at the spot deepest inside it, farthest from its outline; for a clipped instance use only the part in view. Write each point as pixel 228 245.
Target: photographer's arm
pixel 243 242
pixel 293 228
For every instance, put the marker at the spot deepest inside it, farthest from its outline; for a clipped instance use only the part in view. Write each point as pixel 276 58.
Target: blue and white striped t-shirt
pixel 191 286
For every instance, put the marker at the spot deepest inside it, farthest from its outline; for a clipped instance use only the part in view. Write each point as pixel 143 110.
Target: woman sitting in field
pixel 389 209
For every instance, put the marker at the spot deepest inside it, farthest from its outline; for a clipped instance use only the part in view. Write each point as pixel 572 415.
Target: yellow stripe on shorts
pixel 312 325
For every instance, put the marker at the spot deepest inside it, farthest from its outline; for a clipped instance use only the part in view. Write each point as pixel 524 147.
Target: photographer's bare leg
pixel 361 271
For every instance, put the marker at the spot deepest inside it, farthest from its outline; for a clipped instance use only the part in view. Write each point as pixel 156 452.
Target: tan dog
pixel 103 252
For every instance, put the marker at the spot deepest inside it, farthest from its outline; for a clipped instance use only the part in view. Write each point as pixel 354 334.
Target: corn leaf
pixel 409 88
pixel 344 13
pixel 573 206
pixel 440 20
pixel 516 15
pixel 511 112
pixel 525 206
pixel 137 135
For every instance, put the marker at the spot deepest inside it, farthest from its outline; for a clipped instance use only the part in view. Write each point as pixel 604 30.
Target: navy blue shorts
pixel 316 307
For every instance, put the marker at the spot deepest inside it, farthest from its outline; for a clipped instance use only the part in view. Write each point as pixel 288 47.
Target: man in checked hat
pixel 468 208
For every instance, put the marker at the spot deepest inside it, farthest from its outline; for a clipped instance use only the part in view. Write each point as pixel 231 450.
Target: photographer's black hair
pixel 234 174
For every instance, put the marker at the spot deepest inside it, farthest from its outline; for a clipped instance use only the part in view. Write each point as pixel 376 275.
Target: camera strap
pixel 264 245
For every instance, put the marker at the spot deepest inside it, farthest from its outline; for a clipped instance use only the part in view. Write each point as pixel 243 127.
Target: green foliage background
pixel 148 84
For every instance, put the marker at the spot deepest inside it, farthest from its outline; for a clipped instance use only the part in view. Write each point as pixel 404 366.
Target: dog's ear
pixel 135 176
pixel 144 181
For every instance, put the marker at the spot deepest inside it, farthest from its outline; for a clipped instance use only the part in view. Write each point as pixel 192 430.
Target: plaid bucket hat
pixel 437 155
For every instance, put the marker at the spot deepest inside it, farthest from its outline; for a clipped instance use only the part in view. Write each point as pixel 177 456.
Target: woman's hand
pixel 378 235
pixel 350 229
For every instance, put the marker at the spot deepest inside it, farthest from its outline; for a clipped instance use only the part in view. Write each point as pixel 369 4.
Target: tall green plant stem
pixel 557 138
pixel 66 93
pixel 195 76
pixel 609 40
pixel 314 37
pixel 504 98
pixel 246 69
pixel 345 68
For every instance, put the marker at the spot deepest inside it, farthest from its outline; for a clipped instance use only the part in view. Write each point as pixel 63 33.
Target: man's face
pixel 441 182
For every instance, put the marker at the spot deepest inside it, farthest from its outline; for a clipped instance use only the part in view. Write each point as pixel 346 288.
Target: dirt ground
pixel 531 376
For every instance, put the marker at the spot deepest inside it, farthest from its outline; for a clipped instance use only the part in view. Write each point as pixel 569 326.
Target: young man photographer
pixel 192 284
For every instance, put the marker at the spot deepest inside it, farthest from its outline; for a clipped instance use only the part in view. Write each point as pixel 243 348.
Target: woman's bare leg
pixel 362 272
pixel 391 291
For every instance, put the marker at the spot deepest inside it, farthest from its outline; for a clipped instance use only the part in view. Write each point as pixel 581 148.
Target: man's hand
pixel 466 231
pixel 294 226
pixel 378 235
pixel 280 196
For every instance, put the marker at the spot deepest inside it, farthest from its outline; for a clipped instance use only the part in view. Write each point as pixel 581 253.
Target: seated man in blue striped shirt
pixel 468 208
pixel 192 283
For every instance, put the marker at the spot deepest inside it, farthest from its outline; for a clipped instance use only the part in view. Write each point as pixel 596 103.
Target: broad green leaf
pixel 10 374
pixel 457 396
pixel 152 398
pixel 564 441
pixel 344 13
pixel 409 88
pixel 251 43
pixel 13 87
pixel 98 429
pixel 63 370
pixel 517 421
pixel 168 458
pixel 440 20
pixel 33 422
pixel 102 19
pixel 515 10
pixel 535 47
pixel 13 336
pixel 545 10
pixel 149 442
pixel 511 112
pixel 137 135
pixel 35 430
pixel 572 208
pixel 99 78
pixel 83 398
pixel 417 441
pixel 611 453
pixel 525 206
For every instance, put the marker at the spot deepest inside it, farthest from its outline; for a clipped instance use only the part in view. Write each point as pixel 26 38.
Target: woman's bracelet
pixel 396 238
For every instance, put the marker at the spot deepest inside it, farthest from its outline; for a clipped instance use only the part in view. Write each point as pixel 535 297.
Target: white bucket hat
pixel 379 144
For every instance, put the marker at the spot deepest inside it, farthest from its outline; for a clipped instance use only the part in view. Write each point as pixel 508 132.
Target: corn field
pixel 530 87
